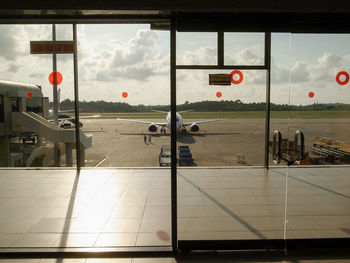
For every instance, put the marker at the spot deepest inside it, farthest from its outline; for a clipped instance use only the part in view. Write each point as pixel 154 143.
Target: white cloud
pixel 11 41
pixel 137 59
pixel 202 56
pixel 300 72
pixel 247 57
pixel 137 64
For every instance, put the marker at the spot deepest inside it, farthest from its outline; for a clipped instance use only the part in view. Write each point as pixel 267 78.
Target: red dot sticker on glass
pixel 311 94
pixel 342 78
pixel 234 79
pixel 55 78
pixel 30 94
pixel 218 94
pixel 163 235
pixel 124 94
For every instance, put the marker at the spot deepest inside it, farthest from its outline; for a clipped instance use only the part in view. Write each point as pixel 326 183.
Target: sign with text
pixel 51 47
pixel 219 79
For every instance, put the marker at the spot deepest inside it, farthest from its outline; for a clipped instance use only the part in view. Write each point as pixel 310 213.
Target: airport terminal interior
pixel 141 137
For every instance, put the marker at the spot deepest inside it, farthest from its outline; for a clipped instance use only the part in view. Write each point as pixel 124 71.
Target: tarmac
pixel 232 142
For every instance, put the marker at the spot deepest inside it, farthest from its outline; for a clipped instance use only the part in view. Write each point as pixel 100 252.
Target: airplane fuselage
pixel 179 122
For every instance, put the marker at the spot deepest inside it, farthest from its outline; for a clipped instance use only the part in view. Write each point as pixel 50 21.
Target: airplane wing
pixel 161 111
pixel 162 124
pixel 199 122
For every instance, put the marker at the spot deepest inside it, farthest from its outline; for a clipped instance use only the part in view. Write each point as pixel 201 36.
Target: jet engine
pixel 152 127
pixel 194 127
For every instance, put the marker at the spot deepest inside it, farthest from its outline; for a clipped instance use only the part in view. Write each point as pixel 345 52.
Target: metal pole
pixel 173 134
pixel 55 99
pixel 220 49
pixel 76 98
pixel 268 89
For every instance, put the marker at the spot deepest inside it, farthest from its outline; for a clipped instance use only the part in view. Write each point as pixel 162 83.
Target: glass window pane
pixel 320 109
pixel 244 48
pixel 124 79
pixel 123 73
pixel 196 48
pixel 34 140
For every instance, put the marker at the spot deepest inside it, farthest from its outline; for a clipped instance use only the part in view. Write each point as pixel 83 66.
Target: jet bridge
pixel 23 109
pixel 32 122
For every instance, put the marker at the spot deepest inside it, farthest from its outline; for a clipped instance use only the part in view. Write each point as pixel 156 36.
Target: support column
pixel 22 107
pixel 173 134
pixel 4 151
pixel 82 157
pixel 55 100
pixel 76 100
pixel 69 154
pixel 268 88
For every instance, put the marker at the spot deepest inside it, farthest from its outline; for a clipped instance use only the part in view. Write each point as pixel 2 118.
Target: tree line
pixel 202 106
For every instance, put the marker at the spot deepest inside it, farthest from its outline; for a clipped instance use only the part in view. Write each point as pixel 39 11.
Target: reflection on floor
pixel 213 258
pixel 131 207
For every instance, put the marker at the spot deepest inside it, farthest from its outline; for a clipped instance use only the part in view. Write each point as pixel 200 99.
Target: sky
pixel 131 58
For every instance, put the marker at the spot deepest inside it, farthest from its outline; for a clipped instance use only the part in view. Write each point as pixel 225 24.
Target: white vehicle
pixel 180 123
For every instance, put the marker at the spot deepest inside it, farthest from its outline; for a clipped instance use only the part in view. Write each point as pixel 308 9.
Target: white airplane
pixel 180 124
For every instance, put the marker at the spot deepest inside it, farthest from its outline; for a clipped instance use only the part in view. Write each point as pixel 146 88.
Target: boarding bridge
pixel 32 122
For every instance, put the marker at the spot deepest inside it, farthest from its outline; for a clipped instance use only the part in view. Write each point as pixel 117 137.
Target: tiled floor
pixel 131 207
pixel 191 259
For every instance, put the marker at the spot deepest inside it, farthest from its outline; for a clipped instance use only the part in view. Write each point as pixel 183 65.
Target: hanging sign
pixel 51 47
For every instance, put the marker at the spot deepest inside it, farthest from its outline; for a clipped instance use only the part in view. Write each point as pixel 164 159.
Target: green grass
pixel 231 115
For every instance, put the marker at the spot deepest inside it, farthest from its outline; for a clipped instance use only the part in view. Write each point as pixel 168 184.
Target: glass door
pixel 125 101
pixel 318 180
pixel 224 193
pixel 309 133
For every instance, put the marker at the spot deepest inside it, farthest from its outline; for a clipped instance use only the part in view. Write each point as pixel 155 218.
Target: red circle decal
pixel 30 94
pixel 218 94
pixel 55 78
pixel 240 77
pixel 163 236
pixel 125 94
pixel 311 94
pixel 346 78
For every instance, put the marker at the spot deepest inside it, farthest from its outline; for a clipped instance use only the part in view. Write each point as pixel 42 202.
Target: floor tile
pixel 51 225
pixel 159 238
pixel 155 224
pixel 35 240
pixel 62 260
pixel 7 239
pixel 157 212
pixel 116 239
pixel 108 260
pixel 27 260
pixel 17 226
pixel 127 211
pixel 154 260
pixel 75 240
pixel 126 225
